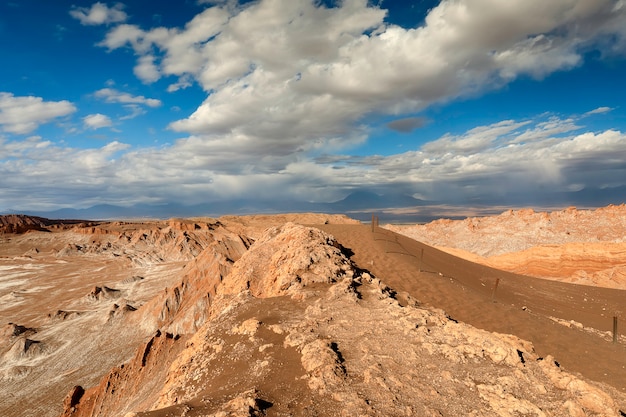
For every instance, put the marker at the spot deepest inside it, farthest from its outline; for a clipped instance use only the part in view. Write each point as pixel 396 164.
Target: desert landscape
pixel 314 314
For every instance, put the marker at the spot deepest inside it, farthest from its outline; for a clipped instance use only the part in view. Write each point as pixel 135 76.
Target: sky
pixel 460 102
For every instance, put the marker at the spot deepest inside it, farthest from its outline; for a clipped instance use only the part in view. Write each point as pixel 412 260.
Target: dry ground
pixel 49 292
pixel 523 305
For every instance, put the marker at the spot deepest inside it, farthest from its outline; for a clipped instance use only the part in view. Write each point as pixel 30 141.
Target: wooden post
pixel 421 259
pixel 373 222
pixel 614 329
pixel 493 293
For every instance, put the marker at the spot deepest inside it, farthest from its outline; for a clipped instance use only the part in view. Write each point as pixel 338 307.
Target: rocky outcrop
pixel 285 260
pixel 579 246
pixel 517 230
pixel 294 328
pixel 602 264
pixel 18 343
pixel 128 385
pixel 103 293
pixel 183 308
pixel 11 330
pixel 20 223
pixel 143 243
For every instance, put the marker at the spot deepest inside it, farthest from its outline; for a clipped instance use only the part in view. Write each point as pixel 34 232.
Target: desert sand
pixel 289 315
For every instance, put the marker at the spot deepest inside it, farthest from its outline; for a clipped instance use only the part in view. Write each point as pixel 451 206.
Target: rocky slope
pixel 79 297
pixel 296 329
pixel 579 246
pixel 229 317
pixel 87 295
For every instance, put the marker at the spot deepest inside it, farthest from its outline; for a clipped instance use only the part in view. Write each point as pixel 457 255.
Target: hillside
pixel 293 315
pixel 578 246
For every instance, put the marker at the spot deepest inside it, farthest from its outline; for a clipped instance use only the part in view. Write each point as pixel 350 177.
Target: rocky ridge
pixel 84 297
pixel 19 223
pixel 295 328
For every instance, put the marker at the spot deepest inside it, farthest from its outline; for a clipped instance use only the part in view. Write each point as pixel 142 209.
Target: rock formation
pixel 296 329
pixel 250 316
pixel 578 246
pixel 19 223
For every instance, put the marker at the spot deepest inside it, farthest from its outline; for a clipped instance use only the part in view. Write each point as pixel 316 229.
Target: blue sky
pixel 459 102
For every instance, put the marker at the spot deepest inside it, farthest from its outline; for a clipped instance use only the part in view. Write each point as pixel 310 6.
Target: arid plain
pixel 314 314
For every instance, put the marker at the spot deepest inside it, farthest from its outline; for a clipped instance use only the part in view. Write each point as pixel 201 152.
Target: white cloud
pixel 135 111
pixel 293 75
pixel 498 159
pixel 193 171
pixel 136 105
pixel 123 34
pixel 99 14
pixel 287 80
pixel 183 82
pixel 22 115
pixel 146 70
pixel 111 95
pixel 599 110
pixel 97 121
pixel 554 126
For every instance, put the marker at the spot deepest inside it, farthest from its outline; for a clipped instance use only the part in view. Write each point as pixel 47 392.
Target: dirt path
pixel 521 306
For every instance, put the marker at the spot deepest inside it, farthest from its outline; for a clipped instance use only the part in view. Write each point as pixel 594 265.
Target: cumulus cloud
pixel 111 95
pixel 23 115
pixel 485 161
pixel 146 70
pixel 99 14
pixel 288 80
pixel 136 105
pixel 183 82
pixel 599 110
pixel 97 121
pixel 498 159
pixel 303 75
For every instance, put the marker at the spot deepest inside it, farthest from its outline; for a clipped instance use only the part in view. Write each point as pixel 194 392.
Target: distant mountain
pixel 364 200
pixel 358 201
pixel 587 197
pixel 598 196
pixel 359 205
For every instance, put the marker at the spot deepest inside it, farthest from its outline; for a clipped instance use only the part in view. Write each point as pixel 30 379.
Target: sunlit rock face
pixel 578 246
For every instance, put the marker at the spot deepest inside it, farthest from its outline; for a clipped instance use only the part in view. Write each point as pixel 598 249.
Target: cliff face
pixel 295 328
pixel 86 294
pixel 80 299
pixel 579 246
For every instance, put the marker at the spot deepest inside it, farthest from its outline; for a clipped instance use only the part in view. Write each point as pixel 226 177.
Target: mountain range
pixel 360 205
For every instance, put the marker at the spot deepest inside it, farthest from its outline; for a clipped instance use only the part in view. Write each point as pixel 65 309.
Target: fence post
pixel 421 259
pixel 493 293
pixel 372 222
pixel 614 329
